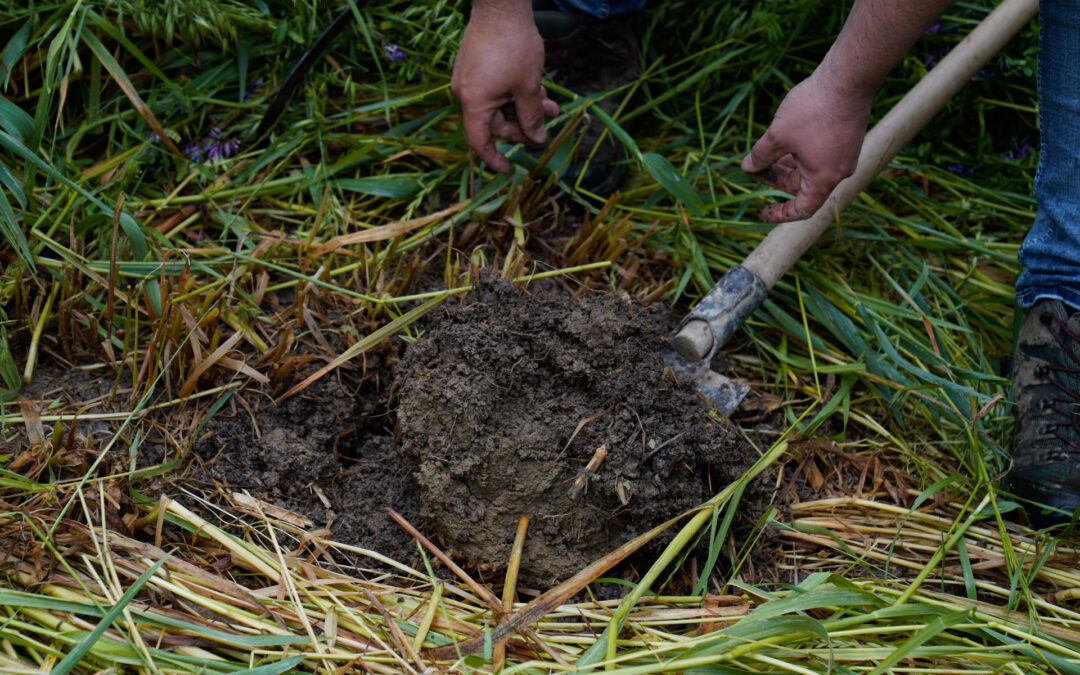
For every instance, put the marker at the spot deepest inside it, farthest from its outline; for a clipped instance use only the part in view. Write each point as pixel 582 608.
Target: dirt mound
pixel 489 400
pixel 489 404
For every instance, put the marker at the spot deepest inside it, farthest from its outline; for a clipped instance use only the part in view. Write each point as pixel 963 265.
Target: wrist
pixel 844 86
pixel 502 11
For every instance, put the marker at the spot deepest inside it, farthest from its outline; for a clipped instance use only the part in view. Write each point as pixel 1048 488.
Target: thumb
pixel 811 197
pixel 763 155
pixel 530 114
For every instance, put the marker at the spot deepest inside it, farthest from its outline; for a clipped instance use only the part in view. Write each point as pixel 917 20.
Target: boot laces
pixel 1064 378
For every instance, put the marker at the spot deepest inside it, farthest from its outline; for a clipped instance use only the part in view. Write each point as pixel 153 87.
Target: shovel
pixel 743 287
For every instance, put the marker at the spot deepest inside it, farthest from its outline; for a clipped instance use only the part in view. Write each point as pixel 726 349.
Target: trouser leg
pixel 601 9
pixel 1050 254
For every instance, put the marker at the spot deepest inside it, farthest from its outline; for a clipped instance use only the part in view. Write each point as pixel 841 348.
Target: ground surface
pixel 877 360
pixel 327 454
pixel 499 406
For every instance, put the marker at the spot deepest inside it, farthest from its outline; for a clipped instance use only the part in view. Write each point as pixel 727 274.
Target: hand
pixel 812 144
pixel 498 70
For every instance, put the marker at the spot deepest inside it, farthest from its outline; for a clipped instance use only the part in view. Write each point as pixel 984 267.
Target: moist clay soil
pixel 326 454
pixel 494 413
pixel 507 396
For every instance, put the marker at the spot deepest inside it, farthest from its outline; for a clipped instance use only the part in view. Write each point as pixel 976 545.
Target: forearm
pixel 494 19
pixel 496 10
pixel 875 37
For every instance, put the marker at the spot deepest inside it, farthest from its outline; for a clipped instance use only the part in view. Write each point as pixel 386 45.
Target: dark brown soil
pixel 325 440
pixel 490 398
pixel 486 403
pixel 69 448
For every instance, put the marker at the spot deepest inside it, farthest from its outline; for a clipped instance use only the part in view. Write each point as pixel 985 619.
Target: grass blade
pixel 661 169
pixel 76 655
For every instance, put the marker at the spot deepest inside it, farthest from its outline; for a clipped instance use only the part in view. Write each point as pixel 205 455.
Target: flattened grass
pixel 150 239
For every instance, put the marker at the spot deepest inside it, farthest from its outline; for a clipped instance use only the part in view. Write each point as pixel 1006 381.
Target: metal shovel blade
pixel 706 328
pixel 723 392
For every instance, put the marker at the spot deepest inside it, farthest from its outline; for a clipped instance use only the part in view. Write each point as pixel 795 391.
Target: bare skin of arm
pixel 499 65
pixel 814 139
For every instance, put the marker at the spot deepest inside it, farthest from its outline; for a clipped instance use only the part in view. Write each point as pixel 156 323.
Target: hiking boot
pixel 589 56
pixel 1046 392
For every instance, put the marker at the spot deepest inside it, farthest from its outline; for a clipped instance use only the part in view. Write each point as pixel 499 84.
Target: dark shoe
pixel 589 56
pixel 1046 392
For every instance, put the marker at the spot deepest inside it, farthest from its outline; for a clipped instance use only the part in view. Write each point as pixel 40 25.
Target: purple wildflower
pixel 963 170
pixel 940 27
pixel 394 53
pixel 933 57
pixel 254 89
pixel 212 147
pixel 1020 150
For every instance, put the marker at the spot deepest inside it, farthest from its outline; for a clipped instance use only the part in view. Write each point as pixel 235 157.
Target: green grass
pixel 889 341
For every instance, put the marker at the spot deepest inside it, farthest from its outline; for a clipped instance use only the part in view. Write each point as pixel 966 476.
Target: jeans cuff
pixel 1028 297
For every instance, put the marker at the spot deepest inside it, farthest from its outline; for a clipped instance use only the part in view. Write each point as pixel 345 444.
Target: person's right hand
pixel 812 144
pixel 498 68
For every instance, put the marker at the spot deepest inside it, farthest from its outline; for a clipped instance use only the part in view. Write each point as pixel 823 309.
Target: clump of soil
pixel 490 398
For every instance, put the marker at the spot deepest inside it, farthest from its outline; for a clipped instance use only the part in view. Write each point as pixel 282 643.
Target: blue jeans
pixel 601 9
pixel 1050 254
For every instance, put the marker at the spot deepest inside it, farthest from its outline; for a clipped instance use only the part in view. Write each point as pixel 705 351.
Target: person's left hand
pixel 498 69
pixel 812 144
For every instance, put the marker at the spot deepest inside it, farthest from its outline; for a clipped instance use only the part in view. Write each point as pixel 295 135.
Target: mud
pixel 326 454
pixel 495 411
pixel 490 397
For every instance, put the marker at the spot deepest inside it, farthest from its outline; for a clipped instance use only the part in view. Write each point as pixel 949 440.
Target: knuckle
pixel 466 94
